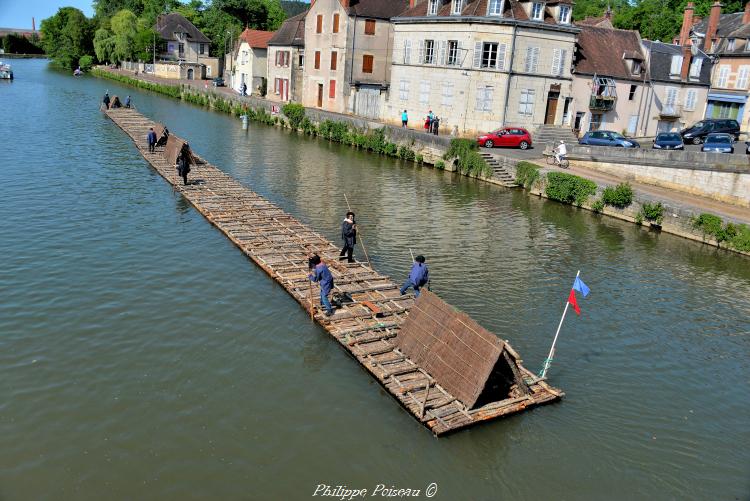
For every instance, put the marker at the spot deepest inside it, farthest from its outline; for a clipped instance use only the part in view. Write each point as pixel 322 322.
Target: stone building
pixel 184 50
pixel 348 46
pixel 286 60
pixel 249 66
pixel 480 64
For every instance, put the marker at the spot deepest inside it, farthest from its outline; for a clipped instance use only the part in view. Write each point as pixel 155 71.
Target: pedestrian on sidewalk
pixel 321 274
pixel 244 89
pixel 418 277
pixel 435 125
pixel 349 236
pixel 183 163
pixel 105 101
pixel 151 139
pixel 404 119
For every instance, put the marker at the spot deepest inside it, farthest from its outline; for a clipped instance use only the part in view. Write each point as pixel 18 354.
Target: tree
pixel 221 28
pixel 256 14
pixel 67 36
pixel 104 45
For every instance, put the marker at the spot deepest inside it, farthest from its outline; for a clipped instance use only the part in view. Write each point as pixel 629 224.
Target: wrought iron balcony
pixel 603 103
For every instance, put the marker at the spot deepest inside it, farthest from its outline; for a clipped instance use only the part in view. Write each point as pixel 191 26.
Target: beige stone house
pixel 286 60
pixel 250 61
pixel 348 46
pixel 184 50
pixel 480 64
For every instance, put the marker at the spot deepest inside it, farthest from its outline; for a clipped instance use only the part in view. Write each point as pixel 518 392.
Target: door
pixel 320 95
pixel 190 74
pixel 632 124
pixel 367 102
pixel 505 138
pixel 566 111
pixel 551 113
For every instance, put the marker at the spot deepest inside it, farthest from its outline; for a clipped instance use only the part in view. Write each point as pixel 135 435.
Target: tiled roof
pixel 602 51
pixel 599 22
pixel 379 9
pixel 257 39
pixel 512 9
pixel 292 32
pixel 727 24
pixel 169 24
pixel 661 62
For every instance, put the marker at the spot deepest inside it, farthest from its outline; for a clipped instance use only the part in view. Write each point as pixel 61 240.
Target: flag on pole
pixel 581 287
pixel 573 302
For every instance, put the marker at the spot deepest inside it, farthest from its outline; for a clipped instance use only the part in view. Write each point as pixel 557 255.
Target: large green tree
pixel 67 36
pixel 257 14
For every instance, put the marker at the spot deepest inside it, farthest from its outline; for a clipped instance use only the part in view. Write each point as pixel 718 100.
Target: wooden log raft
pixel 369 328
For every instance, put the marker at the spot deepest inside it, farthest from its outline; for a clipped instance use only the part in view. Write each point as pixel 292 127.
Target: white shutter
pixel 529 59
pixel 477 54
pixel 501 49
pixel 690 100
pixel 695 68
pixel 459 58
pixel 443 48
pixel 396 50
pixel 676 65
pixel 556 62
pixel 723 76
pixel 742 77
pixel 536 59
pixel 421 52
pixel 407 51
pixel 563 56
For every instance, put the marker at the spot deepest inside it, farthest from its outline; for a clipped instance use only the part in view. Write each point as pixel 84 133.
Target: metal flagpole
pixel 552 349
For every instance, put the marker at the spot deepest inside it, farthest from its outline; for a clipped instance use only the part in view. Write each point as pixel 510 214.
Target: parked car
pixel 747 147
pixel 718 143
pixel 697 132
pixel 218 82
pixel 668 141
pixel 514 137
pixel 608 138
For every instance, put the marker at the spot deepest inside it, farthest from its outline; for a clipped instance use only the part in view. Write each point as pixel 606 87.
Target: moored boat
pixel 6 73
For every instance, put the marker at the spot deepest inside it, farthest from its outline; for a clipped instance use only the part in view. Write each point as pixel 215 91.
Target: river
pixel 143 356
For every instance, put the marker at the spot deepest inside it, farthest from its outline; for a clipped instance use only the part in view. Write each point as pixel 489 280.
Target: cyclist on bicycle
pixel 560 151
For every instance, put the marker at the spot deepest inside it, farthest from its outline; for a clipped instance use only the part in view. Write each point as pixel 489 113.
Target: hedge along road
pixel 144 356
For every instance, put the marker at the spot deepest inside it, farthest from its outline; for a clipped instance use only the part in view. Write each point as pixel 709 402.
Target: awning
pixel 730 98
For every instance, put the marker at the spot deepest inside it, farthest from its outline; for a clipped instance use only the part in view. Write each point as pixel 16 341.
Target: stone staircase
pixel 553 134
pixel 503 168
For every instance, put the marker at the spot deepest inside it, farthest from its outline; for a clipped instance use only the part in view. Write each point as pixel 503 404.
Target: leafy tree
pixel 67 36
pixel 104 45
pixel 14 43
pixel 257 14
pixel 221 28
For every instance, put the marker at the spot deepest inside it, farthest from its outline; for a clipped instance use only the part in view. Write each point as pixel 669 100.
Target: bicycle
pixel 551 160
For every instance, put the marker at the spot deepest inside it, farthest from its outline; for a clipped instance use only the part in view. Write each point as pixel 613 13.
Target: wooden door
pixel 549 117
pixel 320 95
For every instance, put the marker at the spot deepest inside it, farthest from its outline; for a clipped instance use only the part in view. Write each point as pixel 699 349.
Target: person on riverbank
pixel 151 139
pixel 321 274
pixel 418 277
pixel 404 119
pixel 435 125
pixel 244 89
pixel 106 100
pixel 349 236
pixel 183 163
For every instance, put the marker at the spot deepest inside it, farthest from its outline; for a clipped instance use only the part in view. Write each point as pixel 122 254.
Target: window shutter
pixel 501 49
pixel 407 51
pixel 443 48
pixel 421 52
pixel 332 89
pixel 396 49
pixel 556 62
pixel 676 65
pixel 477 54
pixel 695 68
pixel 536 59
pixel 529 59
pixel 459 59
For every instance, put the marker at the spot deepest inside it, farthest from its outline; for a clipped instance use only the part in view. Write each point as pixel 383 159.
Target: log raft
pixel 472 377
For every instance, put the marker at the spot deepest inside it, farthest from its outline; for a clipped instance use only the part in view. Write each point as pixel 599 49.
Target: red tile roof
pixel 602 51
pixel 257 39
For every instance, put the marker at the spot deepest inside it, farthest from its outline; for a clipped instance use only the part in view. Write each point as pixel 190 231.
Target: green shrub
pixel 469 161
pixel 620 196
pixel 654 213
pixel 711 225
pixel 598 205
pixel 440 165
pixel 419 159
pixel 86 62
pixel 460 148
pixel 639 218
pixel 334 131
pixel 568 188
pixel 390 149
pixel 295 112
pixel 741 238
pixel 406 153
pixel 526 174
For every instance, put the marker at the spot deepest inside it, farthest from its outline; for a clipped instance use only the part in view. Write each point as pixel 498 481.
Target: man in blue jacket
pixel 418 277
pixel 321 273
pixel 151 138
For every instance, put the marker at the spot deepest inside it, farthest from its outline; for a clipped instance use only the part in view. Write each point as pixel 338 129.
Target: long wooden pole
pixel 552 349
pixel 312 308
pixel 361 241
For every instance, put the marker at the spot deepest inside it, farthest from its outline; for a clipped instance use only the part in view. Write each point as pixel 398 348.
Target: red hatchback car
pixel 514 137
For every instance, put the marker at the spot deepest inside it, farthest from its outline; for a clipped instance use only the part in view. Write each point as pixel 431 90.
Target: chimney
pixel 687 23
pixel 746 15
pixel 33 21
pixel 713 24
pixel 686 58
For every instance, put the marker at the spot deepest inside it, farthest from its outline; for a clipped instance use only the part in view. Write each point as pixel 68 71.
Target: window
pixel 428 50
pixel 558 61
pixel 369 27
pixel 723 77
pixel 424 92
pixel 403 90
pixel 335 27
pixel 597 119
pixel 407 51
pixel 181 48
pixel 319 24
pixel 636 67
pixel 631 95
pixel 564 17
pixel 334 60
pixel 317 59
pixel 690 99
pixel 495 8
pixel 452 53
pixel 432 8
pixel 457 7
pixel 676 66
pixel 670 99
pixel 489 55
pixel 526 105
pixel 532 59
pixel 695 67
pixel 202 49
pixel 367 63
pixel 742 77
pixel 730 44
pixel 484 98
pixel 301 59
pixel 332 89
pixel 537 11
pixel 447 94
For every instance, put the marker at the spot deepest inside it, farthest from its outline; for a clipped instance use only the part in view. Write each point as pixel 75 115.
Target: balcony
pixel 602 103
pixel 670 111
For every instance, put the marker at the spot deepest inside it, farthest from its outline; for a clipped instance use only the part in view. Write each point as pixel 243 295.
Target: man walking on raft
pixel 349 235
pixel 151 139
pixel 183 162
pixel 418 277
pixel 321 273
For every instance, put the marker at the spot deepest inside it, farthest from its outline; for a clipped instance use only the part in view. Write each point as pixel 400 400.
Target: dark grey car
pixel 668 141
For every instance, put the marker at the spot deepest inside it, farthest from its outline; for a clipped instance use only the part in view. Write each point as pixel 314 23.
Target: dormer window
pixel 495 8
pixel 695 67
pixel 730 44
pixel 457 7
pixel 537 11
pixel 676 66
pixel 432 7
pixel 636 67
pixel 564 17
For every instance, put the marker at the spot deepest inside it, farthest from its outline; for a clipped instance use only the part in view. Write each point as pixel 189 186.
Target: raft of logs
pixel 366 328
